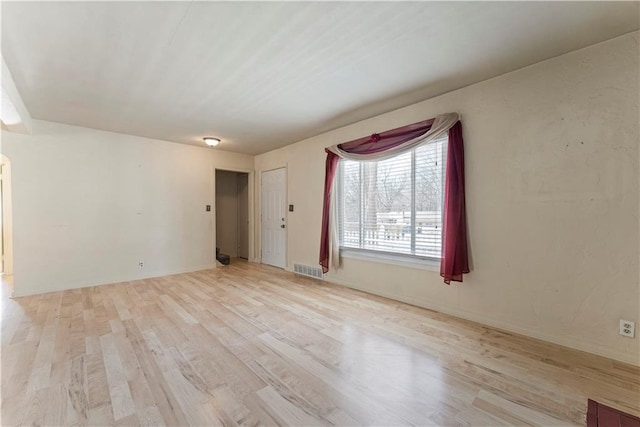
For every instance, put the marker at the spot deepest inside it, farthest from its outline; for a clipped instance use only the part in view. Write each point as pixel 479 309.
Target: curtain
pixel 380 146
pixel 330 167
pixel 455 260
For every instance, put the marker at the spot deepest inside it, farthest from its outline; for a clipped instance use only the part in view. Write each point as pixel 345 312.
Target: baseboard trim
pixel 151 275
pixel 569 342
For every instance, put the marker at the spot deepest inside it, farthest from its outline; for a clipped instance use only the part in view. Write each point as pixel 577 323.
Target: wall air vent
pixel 306 270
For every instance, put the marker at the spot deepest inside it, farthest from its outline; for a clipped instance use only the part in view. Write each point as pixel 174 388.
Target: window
pixel 394 206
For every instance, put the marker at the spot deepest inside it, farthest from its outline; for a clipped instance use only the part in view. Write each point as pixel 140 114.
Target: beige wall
pixel 552 196
pixel 89 205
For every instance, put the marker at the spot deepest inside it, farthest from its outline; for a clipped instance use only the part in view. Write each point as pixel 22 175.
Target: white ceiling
pixel 261 75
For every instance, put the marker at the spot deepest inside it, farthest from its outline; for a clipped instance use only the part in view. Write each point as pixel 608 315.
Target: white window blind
pixel 394 205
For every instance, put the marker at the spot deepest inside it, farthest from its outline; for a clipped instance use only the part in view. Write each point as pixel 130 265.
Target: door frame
pixel 252 215
pixel 286 212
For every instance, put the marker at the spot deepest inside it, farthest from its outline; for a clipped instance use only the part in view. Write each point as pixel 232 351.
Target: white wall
pixel 552 197
pixel 88 205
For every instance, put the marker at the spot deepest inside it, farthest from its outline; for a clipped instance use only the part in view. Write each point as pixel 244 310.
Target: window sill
pixel 385 258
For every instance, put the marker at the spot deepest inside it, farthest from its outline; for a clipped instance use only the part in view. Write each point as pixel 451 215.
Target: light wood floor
pixel 248 344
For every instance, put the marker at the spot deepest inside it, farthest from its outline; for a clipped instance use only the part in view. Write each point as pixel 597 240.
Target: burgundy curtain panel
pixel 454 247
pixel 455 259
pixel 331 166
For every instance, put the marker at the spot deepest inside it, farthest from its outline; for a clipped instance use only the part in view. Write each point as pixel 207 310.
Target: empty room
pixel 320 213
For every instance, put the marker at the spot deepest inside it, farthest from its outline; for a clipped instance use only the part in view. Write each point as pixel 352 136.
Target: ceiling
pixel 261 75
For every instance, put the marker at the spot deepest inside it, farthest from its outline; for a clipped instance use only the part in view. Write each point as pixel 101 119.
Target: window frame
pixel 390 257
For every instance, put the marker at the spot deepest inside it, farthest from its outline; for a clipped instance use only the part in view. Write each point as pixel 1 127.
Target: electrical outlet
pixel 141 264
pixel 627 328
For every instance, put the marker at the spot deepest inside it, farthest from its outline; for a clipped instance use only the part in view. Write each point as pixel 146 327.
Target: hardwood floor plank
pixel 234 410
pixel 101 416
pixel 121 400
pixel 332 379
pixel 141 395
pixel 251 345
pixel 311 394
pixel 190 399
pixel 174 308
pixel 35 407
pixel 12 410
pixel 150 416
pixel 77 389
pixel 39 378
pixel 518 411
pixel 166 402
pixel 18 377
pixel 98 393
pixel 284 411
pixel 231 366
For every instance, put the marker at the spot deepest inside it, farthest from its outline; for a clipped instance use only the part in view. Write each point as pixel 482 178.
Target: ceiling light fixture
pixel 211 141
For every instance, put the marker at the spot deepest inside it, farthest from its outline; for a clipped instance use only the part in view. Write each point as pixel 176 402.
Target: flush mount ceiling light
pixel 211 141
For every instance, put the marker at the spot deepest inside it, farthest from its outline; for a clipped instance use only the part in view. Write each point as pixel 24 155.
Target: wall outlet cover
pixel 627 328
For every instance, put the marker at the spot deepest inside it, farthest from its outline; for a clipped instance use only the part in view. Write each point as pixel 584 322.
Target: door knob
pixel 282 226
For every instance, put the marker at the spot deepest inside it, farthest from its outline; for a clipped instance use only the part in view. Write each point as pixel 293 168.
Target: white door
pixel 274 233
